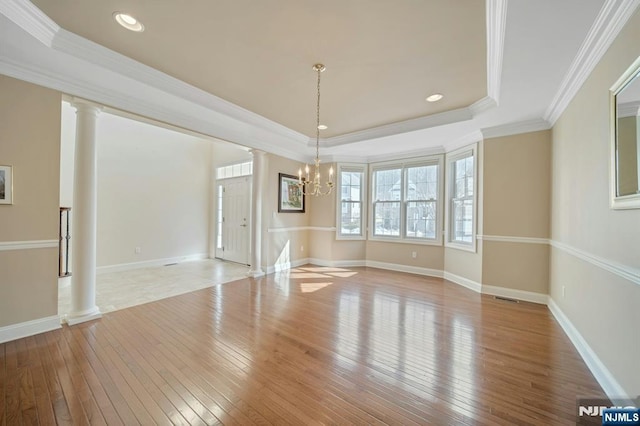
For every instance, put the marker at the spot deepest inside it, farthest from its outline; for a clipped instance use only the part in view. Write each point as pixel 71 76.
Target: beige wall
pixel 282 246
pixel 517 195
pixel 30 142
pixel 601 305
pixel 153 189
pixel 517 183
pixel 628 132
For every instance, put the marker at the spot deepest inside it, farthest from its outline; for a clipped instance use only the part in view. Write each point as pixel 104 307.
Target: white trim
pixel 28 245
pixel 420 123
pixel 337 263
pixel 626 272
pixel 79 319
pixel 517 128
pixel 613 15
pixel 496 28
pixel 149 263
pixel 464 282
pixel 418 270
pixel 511 293
pixel 451 157
pixel 630 109
pixel 604 377
pixel 31 19
pixel 29 328
pixel 482 105
pixel 509 239
pixel 303 228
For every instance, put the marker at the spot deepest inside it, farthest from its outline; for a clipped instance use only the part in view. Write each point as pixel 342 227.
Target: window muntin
pixel 406 200
pixel 351 198
pixel 462 200
pixel 421 201
pixel 351 202
pixel 387 191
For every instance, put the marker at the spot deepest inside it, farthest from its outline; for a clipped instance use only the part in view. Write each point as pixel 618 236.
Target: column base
pixel 72 319
pixel 255 273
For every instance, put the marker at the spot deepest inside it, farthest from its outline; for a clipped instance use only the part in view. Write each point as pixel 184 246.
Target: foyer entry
pixel 233 219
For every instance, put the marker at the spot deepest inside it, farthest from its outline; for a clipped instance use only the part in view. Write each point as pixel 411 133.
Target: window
pixel 235 170
pixel 406 200
pixel 351 194
pixel 462 197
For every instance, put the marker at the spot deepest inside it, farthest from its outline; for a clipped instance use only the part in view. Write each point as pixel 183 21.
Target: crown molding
pixel 509 129
pixel 483 105
pixel 89 51
pixel 420 123
pixel 629 109
pixel 468 139
pixel 31 19
pixel 610 21
pixel 496 28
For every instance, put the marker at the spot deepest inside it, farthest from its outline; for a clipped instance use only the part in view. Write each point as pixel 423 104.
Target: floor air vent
pixel 506 299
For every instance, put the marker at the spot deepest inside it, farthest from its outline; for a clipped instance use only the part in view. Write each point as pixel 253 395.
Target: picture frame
pixel 290 196
pixel 6 184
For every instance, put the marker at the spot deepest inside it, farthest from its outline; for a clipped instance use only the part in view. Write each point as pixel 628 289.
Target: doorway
pixel 233 219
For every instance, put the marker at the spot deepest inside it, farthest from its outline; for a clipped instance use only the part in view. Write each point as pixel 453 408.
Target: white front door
pixel 234 199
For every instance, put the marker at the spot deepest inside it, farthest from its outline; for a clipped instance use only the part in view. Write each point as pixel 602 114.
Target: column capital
pixel 256 152
pixel 85 105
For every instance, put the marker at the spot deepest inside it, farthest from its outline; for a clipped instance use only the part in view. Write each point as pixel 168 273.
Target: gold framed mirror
pixel 625 139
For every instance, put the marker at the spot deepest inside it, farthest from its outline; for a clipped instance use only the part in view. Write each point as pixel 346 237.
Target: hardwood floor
pixel 311 346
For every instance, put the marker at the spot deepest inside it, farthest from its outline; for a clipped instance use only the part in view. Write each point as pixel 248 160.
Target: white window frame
pixel 359 168
pixel 403 165
pixel 470 150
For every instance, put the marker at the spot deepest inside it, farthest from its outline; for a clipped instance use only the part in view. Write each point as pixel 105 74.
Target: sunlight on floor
pixel 311 287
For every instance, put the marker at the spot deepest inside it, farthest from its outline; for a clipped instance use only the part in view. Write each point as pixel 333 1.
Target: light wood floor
pixel 315 345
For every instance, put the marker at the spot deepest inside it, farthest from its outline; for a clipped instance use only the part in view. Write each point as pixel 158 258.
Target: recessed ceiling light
pixel 435 97
pixel 322 127
pixel 128 21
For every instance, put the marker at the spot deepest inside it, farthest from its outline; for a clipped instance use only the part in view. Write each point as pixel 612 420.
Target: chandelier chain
pixel 318 117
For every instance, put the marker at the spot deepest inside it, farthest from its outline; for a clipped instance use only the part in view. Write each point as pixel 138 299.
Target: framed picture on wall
pixel 290 196
pixel 6 185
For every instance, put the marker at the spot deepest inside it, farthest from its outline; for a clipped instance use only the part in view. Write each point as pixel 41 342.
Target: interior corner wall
pixel 462 264
pixel 516 216
pixel 154 189
pixel 591 242
pixel 30 143
pixel 285 235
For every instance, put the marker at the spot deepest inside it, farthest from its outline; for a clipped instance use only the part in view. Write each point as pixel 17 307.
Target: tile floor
pixel 119 290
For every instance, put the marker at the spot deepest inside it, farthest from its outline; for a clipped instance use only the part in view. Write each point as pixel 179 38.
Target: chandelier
pixel 313 186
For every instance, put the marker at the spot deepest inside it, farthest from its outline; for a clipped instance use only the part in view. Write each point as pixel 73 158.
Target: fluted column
pixel 258 187
pixel 85 201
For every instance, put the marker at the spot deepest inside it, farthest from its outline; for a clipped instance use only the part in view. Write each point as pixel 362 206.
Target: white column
pixel 258 187
pixel 84 214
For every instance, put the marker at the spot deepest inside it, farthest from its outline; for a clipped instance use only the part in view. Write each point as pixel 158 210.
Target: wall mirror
pixel 625 139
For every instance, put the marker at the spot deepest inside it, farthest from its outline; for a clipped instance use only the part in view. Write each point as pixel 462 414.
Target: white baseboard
pixel 525 296
pixel 337 263
pixel 609 384
pixel 465 282
pixel 149 263
pixel 29 328
pixel 405 268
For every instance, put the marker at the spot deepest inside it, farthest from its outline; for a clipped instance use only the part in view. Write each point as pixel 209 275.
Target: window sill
pixel 463 247
pixel 436 242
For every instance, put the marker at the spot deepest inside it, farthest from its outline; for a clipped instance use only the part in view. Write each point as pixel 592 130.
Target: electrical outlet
pixel 563 291
pixel 414 254
pixel 301 248
pixel 138 250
